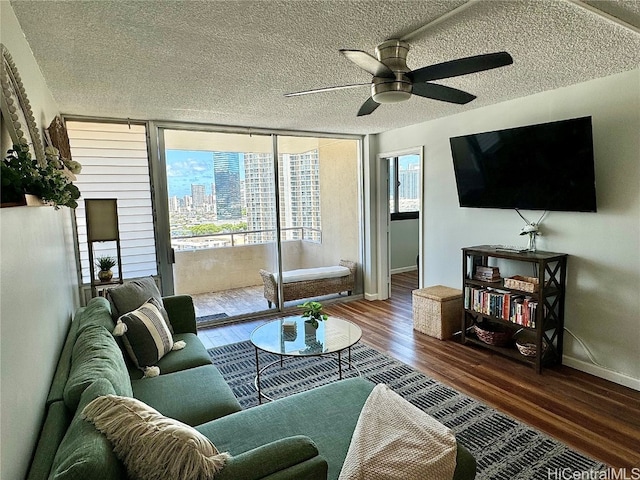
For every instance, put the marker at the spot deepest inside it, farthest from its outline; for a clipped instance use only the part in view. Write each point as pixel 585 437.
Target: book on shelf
pixel 515 308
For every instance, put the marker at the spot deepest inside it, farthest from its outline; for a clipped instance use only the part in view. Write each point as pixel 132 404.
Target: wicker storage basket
pixel 493 334
pixel 519 282
pixel 527 349
pixel 437 311
pixel 526 343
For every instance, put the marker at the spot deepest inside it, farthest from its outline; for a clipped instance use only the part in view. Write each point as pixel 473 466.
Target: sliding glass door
pixel 227 199
pixel 221 204
pixel 319 213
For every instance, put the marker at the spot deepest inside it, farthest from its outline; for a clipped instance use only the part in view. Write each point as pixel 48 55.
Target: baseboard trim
pixel 371 296
pixel 410 268
pixel 601 372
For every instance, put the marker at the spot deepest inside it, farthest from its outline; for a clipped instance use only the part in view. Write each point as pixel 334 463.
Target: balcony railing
pixel 246 237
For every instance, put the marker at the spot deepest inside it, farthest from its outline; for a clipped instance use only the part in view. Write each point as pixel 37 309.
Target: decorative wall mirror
pixel 16 110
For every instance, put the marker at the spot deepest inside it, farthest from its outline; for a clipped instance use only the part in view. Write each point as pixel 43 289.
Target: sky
pixel 185 167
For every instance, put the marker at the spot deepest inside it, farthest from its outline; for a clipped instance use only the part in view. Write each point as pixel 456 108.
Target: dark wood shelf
pixel 549 315
pixel 508 351
pixel 494 319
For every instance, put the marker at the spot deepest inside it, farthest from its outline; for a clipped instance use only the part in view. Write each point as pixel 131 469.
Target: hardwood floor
pixel 594 416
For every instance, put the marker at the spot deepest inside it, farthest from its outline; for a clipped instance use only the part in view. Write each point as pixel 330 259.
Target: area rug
pixel 504 448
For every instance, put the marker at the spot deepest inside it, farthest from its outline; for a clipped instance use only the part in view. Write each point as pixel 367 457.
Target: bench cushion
pixel 317 273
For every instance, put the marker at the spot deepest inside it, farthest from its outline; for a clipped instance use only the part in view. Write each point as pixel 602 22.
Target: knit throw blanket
pixel 393 439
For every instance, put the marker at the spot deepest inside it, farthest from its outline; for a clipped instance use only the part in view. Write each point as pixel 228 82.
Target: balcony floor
pixel 239 302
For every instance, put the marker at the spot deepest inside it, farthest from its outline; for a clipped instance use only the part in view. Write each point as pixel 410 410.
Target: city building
pixel 226 173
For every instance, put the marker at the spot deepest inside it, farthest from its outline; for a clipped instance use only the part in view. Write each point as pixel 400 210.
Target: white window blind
pixel 115 164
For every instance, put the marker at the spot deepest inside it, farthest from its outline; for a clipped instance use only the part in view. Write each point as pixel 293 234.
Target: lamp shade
pixel 102 219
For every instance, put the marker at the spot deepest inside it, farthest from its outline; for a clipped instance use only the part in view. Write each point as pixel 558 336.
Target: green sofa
pixel 304 436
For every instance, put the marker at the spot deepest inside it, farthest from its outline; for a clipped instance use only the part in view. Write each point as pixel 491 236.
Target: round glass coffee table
pixel 292 337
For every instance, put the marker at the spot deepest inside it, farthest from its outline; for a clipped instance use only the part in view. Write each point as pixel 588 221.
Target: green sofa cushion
pixel 191 356
pixel 175 396
pixel 97 312
pixel 56 391
pixel 95 355
pixel 55 426
pixel 328 415
pixel 127 297
pixel 181 313
pixel 85 453
pixel 293 457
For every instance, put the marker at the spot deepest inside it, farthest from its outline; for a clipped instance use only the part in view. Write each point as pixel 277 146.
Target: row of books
pixel 508 306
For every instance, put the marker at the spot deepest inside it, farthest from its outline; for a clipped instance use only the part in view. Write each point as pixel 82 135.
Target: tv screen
pixel 549 166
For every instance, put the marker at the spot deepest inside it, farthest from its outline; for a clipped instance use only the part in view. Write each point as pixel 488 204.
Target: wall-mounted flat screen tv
pixel 548 166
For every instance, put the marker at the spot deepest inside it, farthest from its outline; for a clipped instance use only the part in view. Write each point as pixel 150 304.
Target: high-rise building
pixel 260 197
pixel 409 179
pixel 198 195
pixel 299 193
pixel 174 204
pixel 226 175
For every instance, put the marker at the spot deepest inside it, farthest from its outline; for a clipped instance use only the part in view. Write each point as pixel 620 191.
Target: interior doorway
pixel 400 223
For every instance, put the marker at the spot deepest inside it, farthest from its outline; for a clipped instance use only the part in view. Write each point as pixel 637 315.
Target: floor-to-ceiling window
pixel 224 213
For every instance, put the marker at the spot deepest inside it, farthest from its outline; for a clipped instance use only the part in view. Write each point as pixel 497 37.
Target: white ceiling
pixel 230 62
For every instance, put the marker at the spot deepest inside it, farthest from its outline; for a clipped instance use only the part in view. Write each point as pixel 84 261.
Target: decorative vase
pixel 531 246
pixel 105 275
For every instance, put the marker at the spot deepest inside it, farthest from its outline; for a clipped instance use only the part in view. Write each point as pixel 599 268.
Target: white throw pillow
pixel 152 446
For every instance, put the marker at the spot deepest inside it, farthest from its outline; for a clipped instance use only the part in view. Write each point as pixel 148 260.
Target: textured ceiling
pixel 230 62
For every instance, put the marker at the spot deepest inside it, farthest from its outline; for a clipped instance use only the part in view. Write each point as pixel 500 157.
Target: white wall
pixel 404 237
pixel 603 285
pixel 38 287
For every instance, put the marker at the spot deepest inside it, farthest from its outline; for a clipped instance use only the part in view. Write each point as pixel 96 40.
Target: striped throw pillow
pixel 145 334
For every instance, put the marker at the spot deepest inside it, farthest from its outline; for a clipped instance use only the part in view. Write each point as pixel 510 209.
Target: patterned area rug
pixel 504 448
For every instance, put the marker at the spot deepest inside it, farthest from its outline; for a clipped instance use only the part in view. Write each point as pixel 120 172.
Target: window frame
pixel 395 215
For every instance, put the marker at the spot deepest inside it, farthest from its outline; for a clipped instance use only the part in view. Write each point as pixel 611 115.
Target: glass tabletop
pixel 292 336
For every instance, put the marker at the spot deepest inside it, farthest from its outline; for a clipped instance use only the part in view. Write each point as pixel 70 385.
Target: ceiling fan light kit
pixel 393 82
pixel 393 54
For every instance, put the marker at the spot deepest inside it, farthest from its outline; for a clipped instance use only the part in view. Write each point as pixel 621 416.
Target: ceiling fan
pixel 393 81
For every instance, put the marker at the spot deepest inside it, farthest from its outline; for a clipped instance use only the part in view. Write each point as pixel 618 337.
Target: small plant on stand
pixel 105 264
pixel 312 311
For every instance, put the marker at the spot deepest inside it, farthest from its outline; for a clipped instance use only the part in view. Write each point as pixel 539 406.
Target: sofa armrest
pixel 182 314
pixel 275 457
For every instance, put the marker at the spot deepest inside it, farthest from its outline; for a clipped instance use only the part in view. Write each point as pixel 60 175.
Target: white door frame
pixel 384 218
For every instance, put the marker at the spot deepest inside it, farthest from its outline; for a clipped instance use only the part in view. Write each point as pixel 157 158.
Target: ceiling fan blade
pixel 461 66
pixel 368 63
pixel 441 92
pixel 368 107
pixel 326 89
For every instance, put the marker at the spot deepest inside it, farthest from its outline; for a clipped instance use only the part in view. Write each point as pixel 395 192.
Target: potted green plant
pixel 52 182
pixel 105 264
pixel 312 311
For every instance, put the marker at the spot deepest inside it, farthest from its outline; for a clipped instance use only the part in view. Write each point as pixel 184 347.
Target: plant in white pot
pixel 312 311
